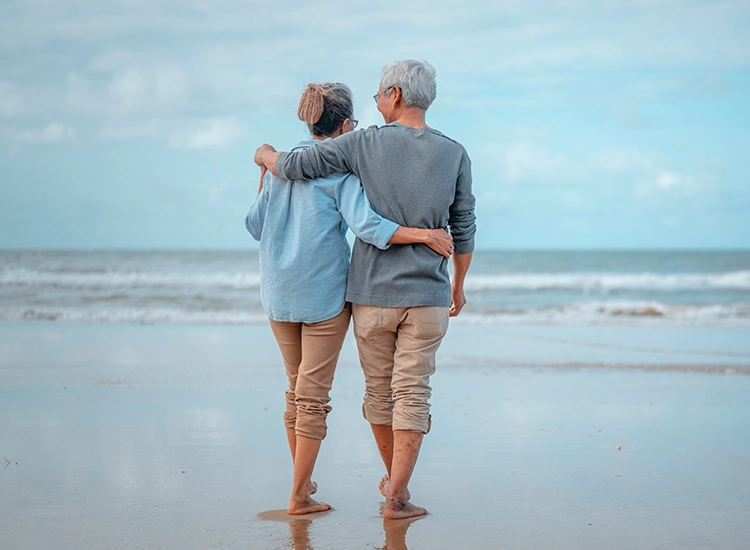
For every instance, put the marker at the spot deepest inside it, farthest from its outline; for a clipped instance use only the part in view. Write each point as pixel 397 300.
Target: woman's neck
pixel 337 133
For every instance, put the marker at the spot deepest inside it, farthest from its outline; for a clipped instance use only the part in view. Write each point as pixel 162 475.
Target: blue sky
pixel 590 124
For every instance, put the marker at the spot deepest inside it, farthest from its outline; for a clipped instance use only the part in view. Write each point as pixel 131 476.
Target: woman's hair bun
pixel 324 107
pixel 312 104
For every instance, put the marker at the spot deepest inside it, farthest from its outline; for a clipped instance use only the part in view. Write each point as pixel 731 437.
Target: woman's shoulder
pixel 302 145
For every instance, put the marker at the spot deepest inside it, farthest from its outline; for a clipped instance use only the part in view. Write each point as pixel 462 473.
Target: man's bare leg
pixel 406 447
pixel 384 440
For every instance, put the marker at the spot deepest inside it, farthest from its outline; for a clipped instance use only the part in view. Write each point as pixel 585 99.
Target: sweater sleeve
pixel 322 159
pixel 364 222
pixel 257 214
pixel 462 220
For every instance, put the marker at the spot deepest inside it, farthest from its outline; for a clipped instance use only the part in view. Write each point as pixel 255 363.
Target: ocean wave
pixel 614 312
pixel 582 282
pixel 129 279
pixel 597 312
pixel 604 282
pixel 160 316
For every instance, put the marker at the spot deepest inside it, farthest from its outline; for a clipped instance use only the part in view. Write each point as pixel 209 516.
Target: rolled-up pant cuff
pixel 312 427
pixel 406 422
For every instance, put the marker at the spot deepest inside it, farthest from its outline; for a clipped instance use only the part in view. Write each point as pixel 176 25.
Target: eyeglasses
pixel 354 122
pixel 377 95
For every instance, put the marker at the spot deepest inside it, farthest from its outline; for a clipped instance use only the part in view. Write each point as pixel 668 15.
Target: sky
pixel 591 124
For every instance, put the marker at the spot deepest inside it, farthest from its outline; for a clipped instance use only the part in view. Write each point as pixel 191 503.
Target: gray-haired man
pixel 402 297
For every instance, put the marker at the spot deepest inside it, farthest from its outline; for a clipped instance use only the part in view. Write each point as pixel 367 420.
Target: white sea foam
pixel 595 312
pixel 129 279
pixel 620 312
pixel 160 316
pixel 586 282
pixel 603 282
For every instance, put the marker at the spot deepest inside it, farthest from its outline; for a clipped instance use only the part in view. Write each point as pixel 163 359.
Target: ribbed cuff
pixel 463 248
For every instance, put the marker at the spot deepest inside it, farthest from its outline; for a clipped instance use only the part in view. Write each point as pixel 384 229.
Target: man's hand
pixel 461 264
pixel 265 157
pixel 440 241
pixel 458 300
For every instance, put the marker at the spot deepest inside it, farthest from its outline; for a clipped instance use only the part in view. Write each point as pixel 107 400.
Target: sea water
pixel 707 288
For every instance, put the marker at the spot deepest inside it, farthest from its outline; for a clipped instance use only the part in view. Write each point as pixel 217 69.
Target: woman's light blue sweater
pixel 304 254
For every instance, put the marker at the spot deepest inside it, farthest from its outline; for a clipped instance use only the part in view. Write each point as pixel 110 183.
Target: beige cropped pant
pixel 397 349
pixel 310 352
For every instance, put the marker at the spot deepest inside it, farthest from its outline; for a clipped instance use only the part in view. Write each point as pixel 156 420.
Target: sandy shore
pixel 117 436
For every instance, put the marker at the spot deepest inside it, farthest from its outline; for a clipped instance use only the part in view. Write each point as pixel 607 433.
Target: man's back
pixel 416 177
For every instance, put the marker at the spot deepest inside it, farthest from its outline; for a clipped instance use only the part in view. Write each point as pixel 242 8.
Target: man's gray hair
pixel 416 80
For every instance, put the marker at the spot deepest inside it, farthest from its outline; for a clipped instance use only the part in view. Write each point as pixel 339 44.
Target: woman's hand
pixel 262 174
pixel 440 241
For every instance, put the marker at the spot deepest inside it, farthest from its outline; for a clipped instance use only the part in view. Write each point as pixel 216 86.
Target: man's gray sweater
pixel 416 177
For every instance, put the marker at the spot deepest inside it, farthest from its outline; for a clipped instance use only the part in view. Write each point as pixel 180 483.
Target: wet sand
pixel 117 436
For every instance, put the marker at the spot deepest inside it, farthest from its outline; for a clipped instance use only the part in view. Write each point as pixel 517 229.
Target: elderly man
pixel 401 297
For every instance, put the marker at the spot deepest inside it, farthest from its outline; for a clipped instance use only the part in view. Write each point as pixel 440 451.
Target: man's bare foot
pixel 400 508
pixel 383 486
pixel 306 506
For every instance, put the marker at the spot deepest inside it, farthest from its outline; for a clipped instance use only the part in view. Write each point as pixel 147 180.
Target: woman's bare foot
pixel 401 508
pixel 383 486
pixel 312 488
pixel 298 507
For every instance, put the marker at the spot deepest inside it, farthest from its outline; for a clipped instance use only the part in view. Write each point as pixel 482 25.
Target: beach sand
pixel 120 436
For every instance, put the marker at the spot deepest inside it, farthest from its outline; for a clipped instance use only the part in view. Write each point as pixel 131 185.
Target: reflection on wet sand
pixel 395 532
pixel 299 529
pixel 299 534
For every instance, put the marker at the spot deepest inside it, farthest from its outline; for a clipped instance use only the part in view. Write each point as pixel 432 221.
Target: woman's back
pixel 304 254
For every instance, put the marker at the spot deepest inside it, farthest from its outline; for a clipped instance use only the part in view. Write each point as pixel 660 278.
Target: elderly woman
pixel 304 262
pixel 401 297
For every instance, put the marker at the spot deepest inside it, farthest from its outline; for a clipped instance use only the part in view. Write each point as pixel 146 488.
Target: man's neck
pixel 411 116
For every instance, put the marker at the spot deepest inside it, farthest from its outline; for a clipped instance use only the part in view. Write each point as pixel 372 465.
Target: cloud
pixel 524 162
pixel 11 100
pixel 130 129
pixel 213 133
pixel 670 180
pixel 187 60
pixel 218 133
pixel 623 161
pixel 157 89
pixel 529 132
pixel 543 34
pixel 54 132
pixel 644 171
pixel 527 39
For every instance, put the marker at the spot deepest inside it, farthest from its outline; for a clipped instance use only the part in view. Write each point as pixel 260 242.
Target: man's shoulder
pixel 441 135
pixel 408 130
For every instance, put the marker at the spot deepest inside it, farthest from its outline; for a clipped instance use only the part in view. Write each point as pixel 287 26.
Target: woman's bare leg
pixel 291 438
pixel 306 453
